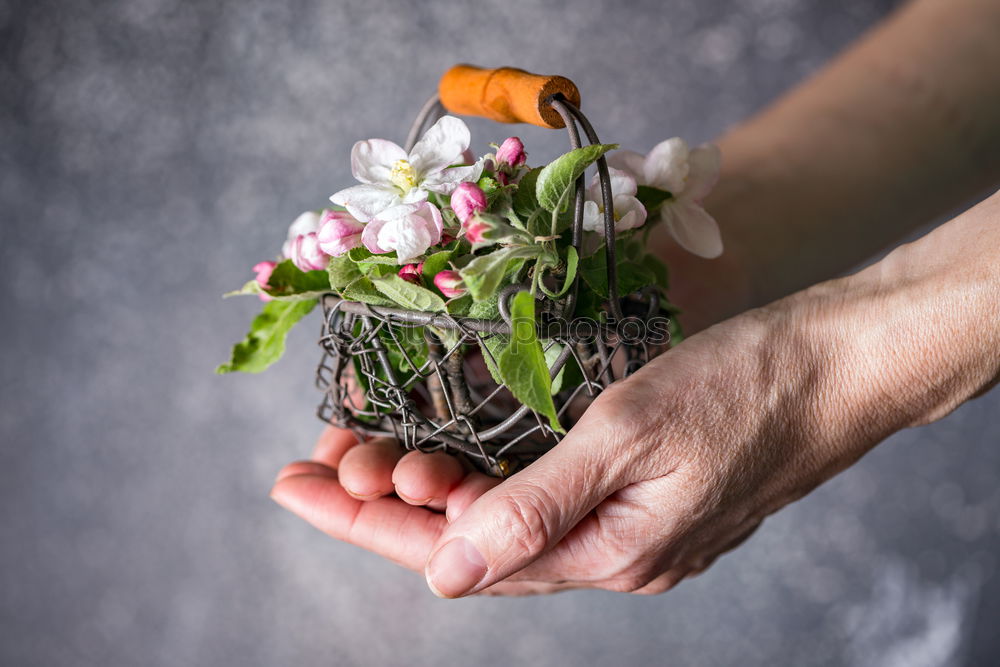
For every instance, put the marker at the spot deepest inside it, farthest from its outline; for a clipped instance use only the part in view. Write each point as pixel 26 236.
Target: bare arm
pixel 896 132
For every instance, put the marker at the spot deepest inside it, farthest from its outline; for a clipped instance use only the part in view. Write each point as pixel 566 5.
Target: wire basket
pixel 449 401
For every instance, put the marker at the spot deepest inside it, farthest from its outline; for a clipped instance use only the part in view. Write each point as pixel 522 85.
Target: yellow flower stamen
pixel 403 176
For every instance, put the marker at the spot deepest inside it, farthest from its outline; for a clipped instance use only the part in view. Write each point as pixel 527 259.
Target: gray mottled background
pixel 152 150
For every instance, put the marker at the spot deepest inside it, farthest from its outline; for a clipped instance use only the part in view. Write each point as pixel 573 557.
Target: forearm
pixel 896 132
pixel 914 335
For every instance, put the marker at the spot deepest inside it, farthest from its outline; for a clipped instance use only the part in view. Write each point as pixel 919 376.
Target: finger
pixel 664 582
pixel 366 469
pixel 389 527
pixel 525 588
pixel 511 525
pixel 468 491
pixel 427 479
pixel 333 443
pixel 305 468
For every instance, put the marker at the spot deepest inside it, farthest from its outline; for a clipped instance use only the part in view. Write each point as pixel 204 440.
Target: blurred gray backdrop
pixel 153 150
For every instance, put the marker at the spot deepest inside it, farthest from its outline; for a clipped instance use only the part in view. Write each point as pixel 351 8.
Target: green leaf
pixel 559 175
pixel 487 309
pixel 522 363
pixel 493 346
pixel 572 260
pixel 652 198
pixel 363 290
pixel 484 274
pixel 632 276
pixel 341 272
pixel 361 255
pixel 551 355
pixel 288 283
pixel 658 269
pixel 525 202
pixel 408 295
pixel 436 263
pixel 490 187
pixel 403 346
pixel 460 306
pixel 265 343
pixel 288 279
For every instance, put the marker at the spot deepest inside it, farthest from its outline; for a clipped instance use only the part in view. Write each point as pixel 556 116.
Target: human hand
pixel 682 461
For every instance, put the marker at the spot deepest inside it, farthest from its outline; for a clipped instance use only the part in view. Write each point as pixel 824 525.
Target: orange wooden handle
pixel 506 94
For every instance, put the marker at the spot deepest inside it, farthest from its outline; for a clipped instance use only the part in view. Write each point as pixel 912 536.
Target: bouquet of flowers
pixel 454 286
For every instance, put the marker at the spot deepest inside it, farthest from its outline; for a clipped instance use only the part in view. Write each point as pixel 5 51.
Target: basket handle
pixel 505 95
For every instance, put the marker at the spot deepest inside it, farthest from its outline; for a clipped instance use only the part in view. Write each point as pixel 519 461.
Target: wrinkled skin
pixel 682 461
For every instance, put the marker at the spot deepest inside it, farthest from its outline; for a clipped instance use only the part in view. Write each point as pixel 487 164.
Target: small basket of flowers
pixel 476 305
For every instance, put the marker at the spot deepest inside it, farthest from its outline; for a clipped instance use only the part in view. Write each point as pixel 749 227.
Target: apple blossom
pixel 305 223
pixel 339 232
pixel 510 156
pixel 628 211
pixel 450 283
pixel 409 229
pixel 411 273
pixel 264 271
pixel 302 245
pixel 689 175
pixel 390 177
pixel 467 200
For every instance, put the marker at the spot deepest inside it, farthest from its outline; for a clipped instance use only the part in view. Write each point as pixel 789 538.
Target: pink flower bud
pixel 511 152
pixel 467 200
pixel 450 284
pixel 264 271
pixel 411 273
pixel 476 229
pixel 339 232
pixel 307 255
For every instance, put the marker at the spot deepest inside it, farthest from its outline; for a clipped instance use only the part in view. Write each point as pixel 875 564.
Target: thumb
pixel 514 523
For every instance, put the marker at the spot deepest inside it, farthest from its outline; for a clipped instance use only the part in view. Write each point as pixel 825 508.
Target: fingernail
pixel 455 569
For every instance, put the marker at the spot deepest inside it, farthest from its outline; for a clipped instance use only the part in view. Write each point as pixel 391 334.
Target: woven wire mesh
pixel 424 378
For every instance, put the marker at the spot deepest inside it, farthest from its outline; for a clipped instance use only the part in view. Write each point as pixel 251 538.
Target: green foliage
pixel 484 274
pixel 363 290
pixel 436 263
pixel 289 283
pixel 524 201
pixel 555 179
pixel 408 295
pixel 652 198
pixel 572 260
pixel 632 273
pixel 265 343
pixel 522 363
pixel 341 272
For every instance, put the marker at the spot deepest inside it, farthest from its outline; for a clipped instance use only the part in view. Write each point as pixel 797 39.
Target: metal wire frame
pixel 444 402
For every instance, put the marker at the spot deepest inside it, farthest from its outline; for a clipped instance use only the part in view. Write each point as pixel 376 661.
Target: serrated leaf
pixel 341 271
pixel 524 201
pixel 408 295
pixel 484 274
pixel 559 175
pixel 522 363
pixel 265 343
pixel 363 290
